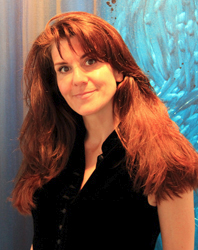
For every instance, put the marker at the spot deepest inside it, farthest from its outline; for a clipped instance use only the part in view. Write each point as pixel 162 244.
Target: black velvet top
pixel 105 214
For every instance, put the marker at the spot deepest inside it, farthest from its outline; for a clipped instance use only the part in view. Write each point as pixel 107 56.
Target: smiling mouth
pixel 84 95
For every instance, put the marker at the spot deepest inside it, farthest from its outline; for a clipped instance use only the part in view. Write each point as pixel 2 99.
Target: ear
pixel 118 76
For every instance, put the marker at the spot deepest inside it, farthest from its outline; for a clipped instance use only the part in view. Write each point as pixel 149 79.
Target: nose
pixel 79 76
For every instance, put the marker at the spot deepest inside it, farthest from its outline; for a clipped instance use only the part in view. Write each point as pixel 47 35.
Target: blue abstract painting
pixel 162 35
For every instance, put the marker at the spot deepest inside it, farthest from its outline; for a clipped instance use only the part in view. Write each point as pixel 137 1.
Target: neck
pixel 99 128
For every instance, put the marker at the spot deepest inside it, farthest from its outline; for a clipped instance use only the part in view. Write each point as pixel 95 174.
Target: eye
pixel 90 61
pixel 63 69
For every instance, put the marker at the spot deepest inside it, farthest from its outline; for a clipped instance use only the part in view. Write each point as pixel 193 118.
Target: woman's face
pixel 87 85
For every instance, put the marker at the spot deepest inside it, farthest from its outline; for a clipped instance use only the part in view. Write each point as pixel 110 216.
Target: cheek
pixel 105 79
pixel 109 84
pixel 63 88
pixel 65 91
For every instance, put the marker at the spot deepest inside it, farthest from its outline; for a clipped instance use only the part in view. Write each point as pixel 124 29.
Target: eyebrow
pixel 64 62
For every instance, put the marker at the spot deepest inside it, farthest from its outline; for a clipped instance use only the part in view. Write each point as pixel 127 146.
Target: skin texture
pixel 87 85
pixel 177 222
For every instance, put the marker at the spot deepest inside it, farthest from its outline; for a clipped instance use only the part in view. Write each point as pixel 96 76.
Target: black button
pixel 100 157
pixel 58 241
pixel 66 197
pixel 76 173
pixel 72 187
pixel 64 210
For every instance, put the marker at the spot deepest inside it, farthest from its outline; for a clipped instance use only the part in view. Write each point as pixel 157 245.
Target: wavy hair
pixel 160 159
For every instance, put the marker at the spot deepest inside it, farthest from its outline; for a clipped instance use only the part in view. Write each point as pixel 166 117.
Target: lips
pixel 85 94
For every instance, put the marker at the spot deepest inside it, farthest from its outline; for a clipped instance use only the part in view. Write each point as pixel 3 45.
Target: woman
pixel 104 166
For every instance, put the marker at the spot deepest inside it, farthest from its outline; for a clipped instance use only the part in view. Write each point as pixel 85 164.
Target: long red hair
pixel 160 159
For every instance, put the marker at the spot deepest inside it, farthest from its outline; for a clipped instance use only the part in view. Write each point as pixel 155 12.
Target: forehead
pixel 66 49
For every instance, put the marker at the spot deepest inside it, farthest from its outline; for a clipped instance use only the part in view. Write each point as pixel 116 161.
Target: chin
pixel 85 113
